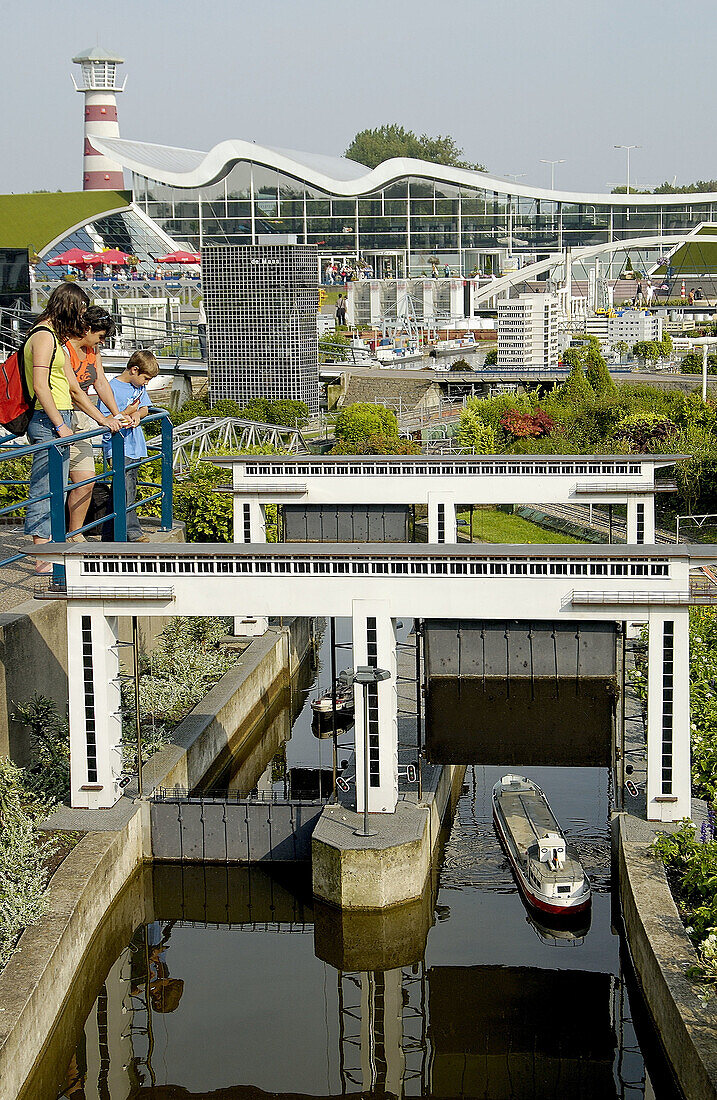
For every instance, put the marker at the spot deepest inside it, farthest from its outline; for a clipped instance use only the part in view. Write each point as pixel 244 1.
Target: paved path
pixel 16 580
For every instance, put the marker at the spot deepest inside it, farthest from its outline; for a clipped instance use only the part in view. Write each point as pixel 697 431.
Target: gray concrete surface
pixel 684 1012
pixel 394 865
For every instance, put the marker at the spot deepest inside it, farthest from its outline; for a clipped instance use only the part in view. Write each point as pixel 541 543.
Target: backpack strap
pixel 21 356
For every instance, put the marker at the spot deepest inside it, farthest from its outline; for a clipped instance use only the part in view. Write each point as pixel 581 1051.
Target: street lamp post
pixel 627 149
pixel 367 675
pixel 706 342
pixel 552 164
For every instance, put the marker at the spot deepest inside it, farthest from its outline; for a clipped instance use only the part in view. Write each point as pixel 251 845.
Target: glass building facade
pixel 410 223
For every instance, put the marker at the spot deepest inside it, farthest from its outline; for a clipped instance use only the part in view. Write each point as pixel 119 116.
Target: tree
pixel 357 422
pixel 597 374
pixel 491 358
pixel 649 350
pixel 372 147
pixel 572 358
pixel 692 363
pixel 576 390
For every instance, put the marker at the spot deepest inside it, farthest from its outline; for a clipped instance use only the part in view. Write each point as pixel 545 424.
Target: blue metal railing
pixel 114 476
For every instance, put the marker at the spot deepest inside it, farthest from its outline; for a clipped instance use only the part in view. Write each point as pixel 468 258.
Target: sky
pixel 513 81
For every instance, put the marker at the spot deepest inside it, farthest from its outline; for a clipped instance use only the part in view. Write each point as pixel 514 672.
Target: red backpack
pixel 17 404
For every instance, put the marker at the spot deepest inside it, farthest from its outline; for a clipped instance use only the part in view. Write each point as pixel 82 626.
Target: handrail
pixel 114 476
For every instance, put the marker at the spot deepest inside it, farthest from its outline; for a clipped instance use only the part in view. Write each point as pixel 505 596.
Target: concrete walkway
pixel 17 580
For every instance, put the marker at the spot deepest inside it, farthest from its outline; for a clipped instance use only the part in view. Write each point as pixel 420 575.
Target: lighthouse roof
pixel 96 53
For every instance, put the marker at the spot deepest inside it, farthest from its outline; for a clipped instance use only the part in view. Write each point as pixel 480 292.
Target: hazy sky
pixel 513 81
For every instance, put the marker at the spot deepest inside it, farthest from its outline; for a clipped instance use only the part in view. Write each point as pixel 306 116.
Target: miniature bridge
pixel 443 483
pixel 375 586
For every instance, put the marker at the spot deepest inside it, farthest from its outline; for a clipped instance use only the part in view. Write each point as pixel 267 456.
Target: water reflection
pixel 237 985
pixel 241 987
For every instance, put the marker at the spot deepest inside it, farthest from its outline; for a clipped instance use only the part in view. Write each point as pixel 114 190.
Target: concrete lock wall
pixel 34 1013
pixel 33 658
pixel 551 684
pixel 663 954
pixel 346 523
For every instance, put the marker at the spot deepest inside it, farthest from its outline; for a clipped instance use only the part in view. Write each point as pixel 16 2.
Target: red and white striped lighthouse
pixel 99 87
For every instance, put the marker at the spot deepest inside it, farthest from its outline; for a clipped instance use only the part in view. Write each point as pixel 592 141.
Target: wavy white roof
pixel 339 176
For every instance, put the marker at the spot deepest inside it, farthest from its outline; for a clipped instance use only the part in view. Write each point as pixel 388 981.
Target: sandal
pixel 76 538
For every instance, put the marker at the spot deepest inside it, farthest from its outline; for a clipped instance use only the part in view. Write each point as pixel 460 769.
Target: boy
pixel 131 397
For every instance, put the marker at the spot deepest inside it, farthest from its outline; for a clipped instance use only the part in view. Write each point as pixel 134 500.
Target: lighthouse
pixel 99 87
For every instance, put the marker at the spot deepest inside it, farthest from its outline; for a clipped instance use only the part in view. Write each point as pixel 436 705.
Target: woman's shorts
pixel 81 455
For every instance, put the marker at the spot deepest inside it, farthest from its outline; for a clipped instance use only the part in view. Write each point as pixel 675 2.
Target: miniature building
pixel 261 303
pixel 528 331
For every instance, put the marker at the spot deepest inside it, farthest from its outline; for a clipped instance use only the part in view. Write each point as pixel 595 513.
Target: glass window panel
pixel 318 207
pixel 290 188
pixel 444 190
pixel 238 182
pixel 397 190
pixel 422 189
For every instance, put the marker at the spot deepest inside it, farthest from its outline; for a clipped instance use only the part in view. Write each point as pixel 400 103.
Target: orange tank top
pixel 84 365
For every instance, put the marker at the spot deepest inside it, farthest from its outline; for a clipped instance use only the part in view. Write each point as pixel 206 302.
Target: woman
pixel 45 373
pixel 83 366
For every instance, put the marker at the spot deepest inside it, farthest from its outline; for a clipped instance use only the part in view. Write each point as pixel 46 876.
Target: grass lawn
pixel 490 525
pixel 32 221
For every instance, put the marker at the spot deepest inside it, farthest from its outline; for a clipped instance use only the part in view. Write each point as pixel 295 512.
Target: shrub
pixel 642 431
pixel 23 875
pixel 333 347
pixel 47 777
pixel 195 406
pixel 378 445
pixel 14 470
pixel 355 423
pixel 474 433
pixel 292 414
pixel 225 407
pixel 257 409
pixel 186 662
pixel 490 409
pixel 525 425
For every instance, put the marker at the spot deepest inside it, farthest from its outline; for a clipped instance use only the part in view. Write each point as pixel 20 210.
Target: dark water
pixel 235 984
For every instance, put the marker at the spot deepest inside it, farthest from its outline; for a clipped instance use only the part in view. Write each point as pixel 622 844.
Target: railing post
pixel 167 474
pixel 58 529
pixel 57 493
pixel 119 495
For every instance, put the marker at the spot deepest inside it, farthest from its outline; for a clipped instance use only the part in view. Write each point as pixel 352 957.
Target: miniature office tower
pixel 261 303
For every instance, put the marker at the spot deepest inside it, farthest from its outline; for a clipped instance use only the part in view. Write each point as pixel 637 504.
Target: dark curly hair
pixel 65 311
pixel 97 319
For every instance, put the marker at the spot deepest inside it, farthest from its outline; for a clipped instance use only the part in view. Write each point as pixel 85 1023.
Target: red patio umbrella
pixel 74 256
pixel 180 258
pixel 111 256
